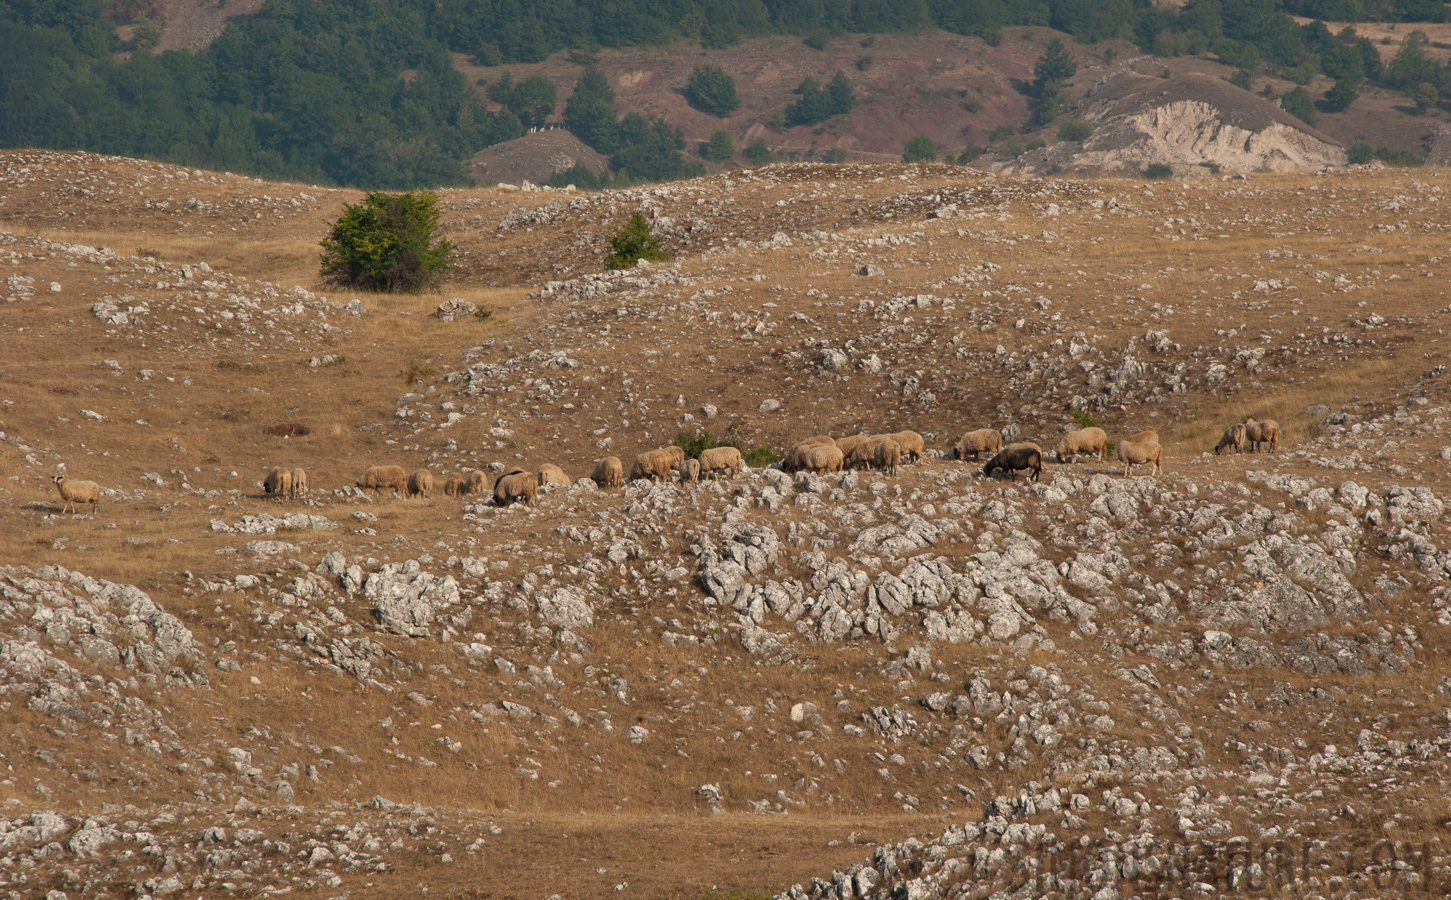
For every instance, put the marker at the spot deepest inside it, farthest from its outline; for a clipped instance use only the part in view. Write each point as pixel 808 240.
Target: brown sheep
pixel 299 482
pixel 721 459
pixel 1233 438
pixel 795 459
pixel 609 472
pixel 983 440
pixel 652 464
pixel 886 456
pixel 690 471
pixel 549 473
pixel 516 486
pixel 1146 453
pixel 911 443
pixel 1143 437
pixel 73 492
pixel 1266 432
pixel 1089 441
pixel 381 478
pixel 278 482
pixel 453 485
pixel 823 459
pixel 677 456
pixel 859 456
pixel 420 484
pixel 847 444
pixel 475 482
pixel 1015 457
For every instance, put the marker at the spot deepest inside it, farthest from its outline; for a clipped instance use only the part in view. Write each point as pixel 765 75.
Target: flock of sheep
pixel 820 454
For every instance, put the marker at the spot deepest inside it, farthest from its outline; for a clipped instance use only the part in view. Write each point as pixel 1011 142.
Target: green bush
pixel 578 175
pixel 1298 104
pixel 1074 130
pixel 834 155
pixel 701 441
pixel 388 242
pixel 721 147
pixel 634 242
pixel 1158 171
pixel 760 457
pixel 1359 152
pixel 920 149
pixel 816 104
pixel 711 90
pixel 757 153
pixel 970 154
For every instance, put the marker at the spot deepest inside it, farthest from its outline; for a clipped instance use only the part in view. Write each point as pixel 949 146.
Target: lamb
pixel 886 456
pixel 721 459
pixel 690 471
pixel 609 472
pixel 1143 437
pixel 652 464
pixel 1138 454
pixel 381 478
pixel 516 486
pixel 299 483
pixel 549 473
pixel 1233 437
pixel 911 443
pixel 1091 441
pixel 823 459
pixel 1015 457
pixel 453 485
pixel 1258 433
pixel 983 440
pixel 420 484
pixel 278 482
pixel 73 492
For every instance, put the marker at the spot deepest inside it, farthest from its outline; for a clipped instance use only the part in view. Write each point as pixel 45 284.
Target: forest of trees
pixel 363 93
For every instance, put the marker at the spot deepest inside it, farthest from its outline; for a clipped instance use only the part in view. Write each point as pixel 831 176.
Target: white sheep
pixel 73 492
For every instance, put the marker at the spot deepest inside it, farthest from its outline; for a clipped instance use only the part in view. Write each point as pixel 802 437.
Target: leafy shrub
pixel 834 155
pixel 863 63
pixel 532 99
pixel 757 153
pixel 1158 171
pixel 920 149
pixel 578 175
pixel 1002 132
pixel 1359 152
pixel 634 242
pixel 701 441
pixel 971 153
pixel 1084 420
pixel 711 90
pixel 1298 104
pixel 721 147
pixel 760 457
pixel 816 104
pixel 388 242
pixel 1074 130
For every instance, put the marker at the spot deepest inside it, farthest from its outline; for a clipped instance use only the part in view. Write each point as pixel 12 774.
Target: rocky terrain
pixel 924 685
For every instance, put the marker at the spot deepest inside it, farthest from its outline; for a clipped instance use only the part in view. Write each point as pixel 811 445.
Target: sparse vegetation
pixel 1158 171
pixel 633 242
pixel 1074 130
pixel 420 368
pixel 388 242
pixel 834 155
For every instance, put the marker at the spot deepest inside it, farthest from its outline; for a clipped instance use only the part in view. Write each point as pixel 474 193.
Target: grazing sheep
pixel 721 459
pixel 453 485
pixel 859 456
pixel 1145 453
pixel 475 482
pixel 690 471
pixel 983 440
pixel 1266 432
pixel 1015 457
pixel 516 486
pixel 381 478
pixel 677 456
pixel 299 483
pixel 1233 438
pixel 609 472
pixel 847 444
pixel 652 464
pixel 823 459
pixel 278 482
pixel 1143 437
pixel 911 443
pixel 795 459
pixel 1089 441
pixel 73 492
pixel 886 456
pixel 420 484
pixel 549 473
